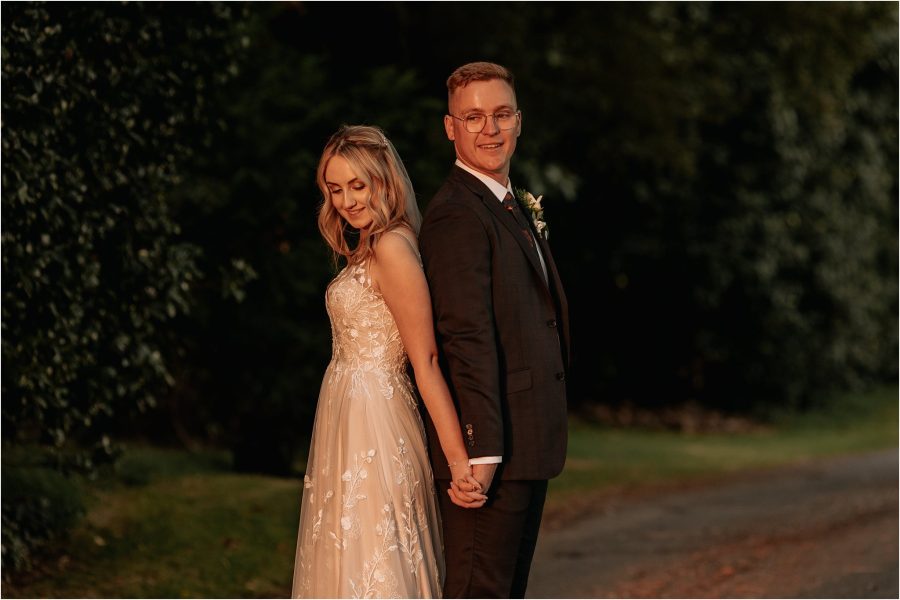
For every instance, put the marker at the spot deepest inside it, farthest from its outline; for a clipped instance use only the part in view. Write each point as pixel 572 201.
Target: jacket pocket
pixel 518 381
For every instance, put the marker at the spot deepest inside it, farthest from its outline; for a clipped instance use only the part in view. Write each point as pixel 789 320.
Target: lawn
pixel 601 458
pixel 174 524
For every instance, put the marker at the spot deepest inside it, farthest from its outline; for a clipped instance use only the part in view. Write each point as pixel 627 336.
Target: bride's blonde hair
pixel 392 201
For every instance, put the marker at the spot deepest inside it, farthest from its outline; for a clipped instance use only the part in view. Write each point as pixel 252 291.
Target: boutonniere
pixel 533 206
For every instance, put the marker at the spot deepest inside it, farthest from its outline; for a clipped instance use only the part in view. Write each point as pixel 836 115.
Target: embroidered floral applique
pixel 369 519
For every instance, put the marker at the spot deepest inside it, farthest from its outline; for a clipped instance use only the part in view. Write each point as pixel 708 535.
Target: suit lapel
pixel 553 284
pixel 510 223
pixel 496 208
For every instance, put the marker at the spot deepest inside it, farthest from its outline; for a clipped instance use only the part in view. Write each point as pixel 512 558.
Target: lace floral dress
pixel 369 521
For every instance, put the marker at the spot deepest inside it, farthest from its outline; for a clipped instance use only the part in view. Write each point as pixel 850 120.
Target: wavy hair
pixel 392 201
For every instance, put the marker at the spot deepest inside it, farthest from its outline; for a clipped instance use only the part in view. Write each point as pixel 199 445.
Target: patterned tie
pixel 512 206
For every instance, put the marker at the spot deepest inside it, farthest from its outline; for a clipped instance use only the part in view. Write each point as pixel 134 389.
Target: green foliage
pixel 800 264
pixel 39 505
pixel 101 106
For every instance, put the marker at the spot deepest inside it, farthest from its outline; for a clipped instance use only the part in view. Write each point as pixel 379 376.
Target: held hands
pixel 465 489
pixel 484 475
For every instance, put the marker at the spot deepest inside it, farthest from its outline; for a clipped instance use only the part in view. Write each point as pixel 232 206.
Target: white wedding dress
pixel 369 521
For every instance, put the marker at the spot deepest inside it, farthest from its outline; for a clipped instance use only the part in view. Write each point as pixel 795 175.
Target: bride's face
pixel 349 194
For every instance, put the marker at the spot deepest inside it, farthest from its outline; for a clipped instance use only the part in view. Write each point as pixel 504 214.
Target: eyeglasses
pixel 505 119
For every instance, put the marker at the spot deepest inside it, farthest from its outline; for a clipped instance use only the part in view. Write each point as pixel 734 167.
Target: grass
pixel 173 524
pixel 616 458
pixel 213 534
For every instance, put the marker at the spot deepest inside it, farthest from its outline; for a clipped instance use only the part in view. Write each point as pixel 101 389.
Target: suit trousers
pixel 488 550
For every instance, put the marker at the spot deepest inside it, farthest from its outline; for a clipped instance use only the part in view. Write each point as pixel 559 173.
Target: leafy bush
pixel 101 106
pixel 39 505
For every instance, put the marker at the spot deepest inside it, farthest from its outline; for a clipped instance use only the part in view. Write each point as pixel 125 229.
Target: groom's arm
pixel 457 256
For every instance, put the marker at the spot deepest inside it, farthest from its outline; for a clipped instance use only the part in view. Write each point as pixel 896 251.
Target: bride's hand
pixel 465 490
pixel 468 483
pixel 462 476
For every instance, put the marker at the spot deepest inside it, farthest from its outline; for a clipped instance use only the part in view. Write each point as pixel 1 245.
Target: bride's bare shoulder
pixel 396 253
pixel 399 232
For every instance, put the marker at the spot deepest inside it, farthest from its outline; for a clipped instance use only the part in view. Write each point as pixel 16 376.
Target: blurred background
pixel 720 181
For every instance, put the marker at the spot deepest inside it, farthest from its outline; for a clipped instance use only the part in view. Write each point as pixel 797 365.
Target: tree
pixel 102 105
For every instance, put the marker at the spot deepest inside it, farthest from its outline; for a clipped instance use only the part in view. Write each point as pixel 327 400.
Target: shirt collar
pixel 498 189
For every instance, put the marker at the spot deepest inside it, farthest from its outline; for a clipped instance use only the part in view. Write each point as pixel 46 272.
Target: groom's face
pixel 490 150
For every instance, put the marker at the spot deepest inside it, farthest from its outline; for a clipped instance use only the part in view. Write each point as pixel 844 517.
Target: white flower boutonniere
pixel 533 207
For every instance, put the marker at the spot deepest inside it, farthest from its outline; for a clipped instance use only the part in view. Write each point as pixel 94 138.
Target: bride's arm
pixel 396 273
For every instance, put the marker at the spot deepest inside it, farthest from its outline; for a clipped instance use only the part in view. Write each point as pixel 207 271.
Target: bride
pixel 369 522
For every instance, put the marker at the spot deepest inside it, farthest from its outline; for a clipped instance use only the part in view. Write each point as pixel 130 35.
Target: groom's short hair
pixel 478 71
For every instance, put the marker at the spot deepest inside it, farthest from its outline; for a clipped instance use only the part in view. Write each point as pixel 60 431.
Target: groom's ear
pixel 448 128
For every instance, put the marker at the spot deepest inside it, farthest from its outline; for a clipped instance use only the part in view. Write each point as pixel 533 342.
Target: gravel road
pixel 827 529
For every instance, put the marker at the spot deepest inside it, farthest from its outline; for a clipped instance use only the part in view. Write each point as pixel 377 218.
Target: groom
pixel 502 324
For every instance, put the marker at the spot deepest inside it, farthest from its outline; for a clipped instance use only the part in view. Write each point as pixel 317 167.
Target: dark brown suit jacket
pixel 503 332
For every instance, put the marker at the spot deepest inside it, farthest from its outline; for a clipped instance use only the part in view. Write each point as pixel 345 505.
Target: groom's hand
pixel 484 474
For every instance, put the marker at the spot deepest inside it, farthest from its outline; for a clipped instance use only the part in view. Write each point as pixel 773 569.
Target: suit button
pixel 471 443
pixel 551 323
pixel 560 376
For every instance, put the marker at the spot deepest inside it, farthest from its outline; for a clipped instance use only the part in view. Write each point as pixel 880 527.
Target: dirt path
pixel 823 530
